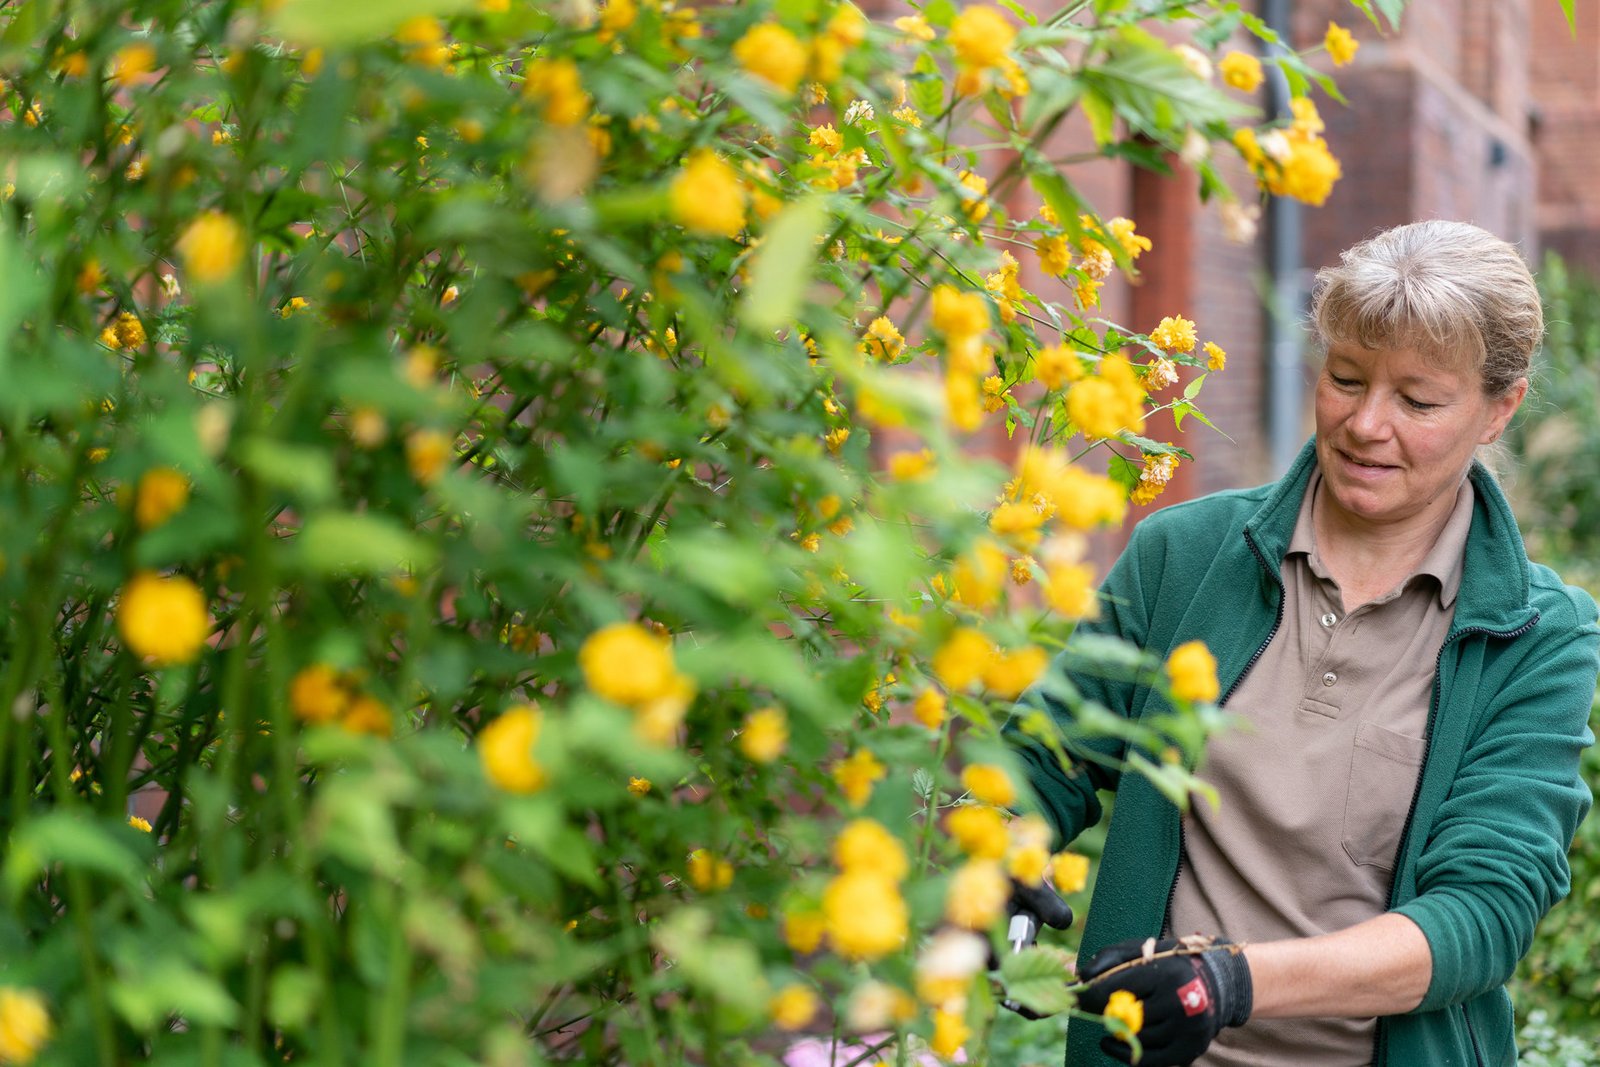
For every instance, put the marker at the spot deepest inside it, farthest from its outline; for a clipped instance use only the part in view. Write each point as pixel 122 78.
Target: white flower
pixel 169 286
pixel 1239 221
pixel 1198 62
pixel 1275 145
pixel 858 111
pixel 1195 148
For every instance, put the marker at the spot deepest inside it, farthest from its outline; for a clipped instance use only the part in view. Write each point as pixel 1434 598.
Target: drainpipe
pixel 1287 299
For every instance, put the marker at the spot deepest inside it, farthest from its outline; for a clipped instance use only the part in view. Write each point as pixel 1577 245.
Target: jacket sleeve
pixel 1496 859
pixel 1065 795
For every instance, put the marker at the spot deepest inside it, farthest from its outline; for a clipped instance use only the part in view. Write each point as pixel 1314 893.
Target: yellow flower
pixel 1088 500
pixel 981 35
pixel 793 1007
pixel 857 774
pixel 979 575
pixel 864 845
pixel 1242 71
pixel 557 87
pixel 883 340
pixel 989 783
pixel 142 825
pixel 1007 674
pixel 980 831
pixel 1027 864
pixel 1175 333
pixel 1132 243
pixel 161 619
pixel 317 694
pixel 1070 591
pixel 617 16
pixel 959 315
pixel 1069 871
pixel 161 494
pixel 835 438
pixel 427 452
pixel 929 708
pixel 1216 358
pixel 212 247
pixel 1056 366
pixel 1192 670
pixel 910 466
pixel 908 115
pixel 1055 254
pixel 765 735
pixel 773 54
pixel 505 749
pixel 89 277
pixel 1341 45
pixel 129 330
pixel 960 660
pixel 977 205
pixel 977 895
pixel 368 715
pixel 709 873
pixel 627 664
pixel 827 139
pixel 1127 1009
pixel 914 26
pixel 707 197
pixel 1110 401
pixel 865 915
pixel 803 930
pixel 950 1032
pixel 1022 570
pixel 24 1025
pixel 132 61
pixel 639 786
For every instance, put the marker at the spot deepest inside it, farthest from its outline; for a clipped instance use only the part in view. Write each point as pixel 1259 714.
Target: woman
pixel 1412 693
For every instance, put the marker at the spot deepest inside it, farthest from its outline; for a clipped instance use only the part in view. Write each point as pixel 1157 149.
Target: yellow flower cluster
pixel 428 452
pixel 963 320
pixel 1056 366
pixel 793 1007
pixel 990 784
pixel 977 894
pixel 856 775
pixel 505 750
pixel 212 248
pixel 1002 285
pixel 1069 872
pixel 1127 1009
pixel 1158 471
pixel 1079 499
pixel 1340 43
pixel 863 912
pixel 1192 672
pixel 628 665
pixel 967 657
pixel 765 735
pixel 1109 401
pixel 981 37
pixel 162 619
pixel 131 62
pixel 1174 333
pixel 883 340
pixel 774 55
pixel 1242 71
pixel 707 197
pixel 126 332
pixel 708 872
pixel 319 695
pixel 1216 358
pixel 1293 162
pixel 25 1025
pixel 555 85
pixel 162 492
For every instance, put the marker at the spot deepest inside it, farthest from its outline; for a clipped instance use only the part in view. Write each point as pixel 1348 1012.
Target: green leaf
pixel 783 263
pixel 1572 19
pixel 168 987
pixel 1192 390
pixel 1102 116
pixel 1153 448
pixel 314 22
pixel 342 542
pixel 303 470
pixel 1039 978
pixel 75 840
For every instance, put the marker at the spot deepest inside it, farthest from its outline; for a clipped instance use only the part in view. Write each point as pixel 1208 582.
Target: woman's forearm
pixel 1378 967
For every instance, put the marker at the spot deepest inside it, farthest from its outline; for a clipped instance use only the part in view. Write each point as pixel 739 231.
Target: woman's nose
pixel 1370 418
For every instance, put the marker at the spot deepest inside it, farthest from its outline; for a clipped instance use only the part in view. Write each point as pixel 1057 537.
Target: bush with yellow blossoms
pixel 494 566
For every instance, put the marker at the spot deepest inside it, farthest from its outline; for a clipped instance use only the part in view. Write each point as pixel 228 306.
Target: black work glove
pixel 1027 908
pixel 1187 999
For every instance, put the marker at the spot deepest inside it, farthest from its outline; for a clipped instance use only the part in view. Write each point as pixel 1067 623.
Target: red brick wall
pixel 1565 75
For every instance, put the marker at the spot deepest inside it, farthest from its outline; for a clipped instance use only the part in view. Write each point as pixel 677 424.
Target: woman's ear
pixel 1501 409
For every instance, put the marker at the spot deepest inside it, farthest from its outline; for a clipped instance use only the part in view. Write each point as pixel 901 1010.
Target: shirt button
pixel 1329 619
pixel 1329 678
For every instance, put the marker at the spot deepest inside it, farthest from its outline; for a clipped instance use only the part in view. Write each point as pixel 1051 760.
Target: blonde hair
pixel 1448 290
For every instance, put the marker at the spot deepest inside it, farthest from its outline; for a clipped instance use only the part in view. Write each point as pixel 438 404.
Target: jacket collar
pixel 1494 572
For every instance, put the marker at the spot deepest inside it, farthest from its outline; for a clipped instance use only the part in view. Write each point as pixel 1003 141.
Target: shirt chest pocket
pixel 1383 778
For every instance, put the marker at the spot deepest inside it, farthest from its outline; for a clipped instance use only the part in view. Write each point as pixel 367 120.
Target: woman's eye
pixel 1418 405
pixel 1342 383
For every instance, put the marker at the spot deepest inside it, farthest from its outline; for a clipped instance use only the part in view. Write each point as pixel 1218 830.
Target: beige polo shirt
pixel 1317 780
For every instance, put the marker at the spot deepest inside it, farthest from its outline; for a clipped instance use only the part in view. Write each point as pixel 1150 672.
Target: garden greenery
pixel 487 493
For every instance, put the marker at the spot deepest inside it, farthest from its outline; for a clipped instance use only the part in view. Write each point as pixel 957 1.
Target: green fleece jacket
pixel 1483 854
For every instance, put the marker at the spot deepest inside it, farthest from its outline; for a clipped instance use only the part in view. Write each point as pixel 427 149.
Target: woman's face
pixel 1396 432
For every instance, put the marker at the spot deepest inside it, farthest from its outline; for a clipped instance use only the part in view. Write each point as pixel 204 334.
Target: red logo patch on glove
pixel 1194 998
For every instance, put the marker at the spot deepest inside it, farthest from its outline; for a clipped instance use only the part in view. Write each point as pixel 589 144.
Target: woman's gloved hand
pixel 1188 999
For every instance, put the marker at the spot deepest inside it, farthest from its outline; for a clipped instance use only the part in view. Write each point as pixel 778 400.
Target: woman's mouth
pixel 1360 466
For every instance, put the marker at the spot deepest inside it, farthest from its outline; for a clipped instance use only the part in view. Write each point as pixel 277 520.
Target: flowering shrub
pixel 487 492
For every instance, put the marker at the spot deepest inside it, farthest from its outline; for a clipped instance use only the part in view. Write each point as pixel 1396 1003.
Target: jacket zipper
pixel 1477 1054
pixel 1166 916
pixel 1380 1035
